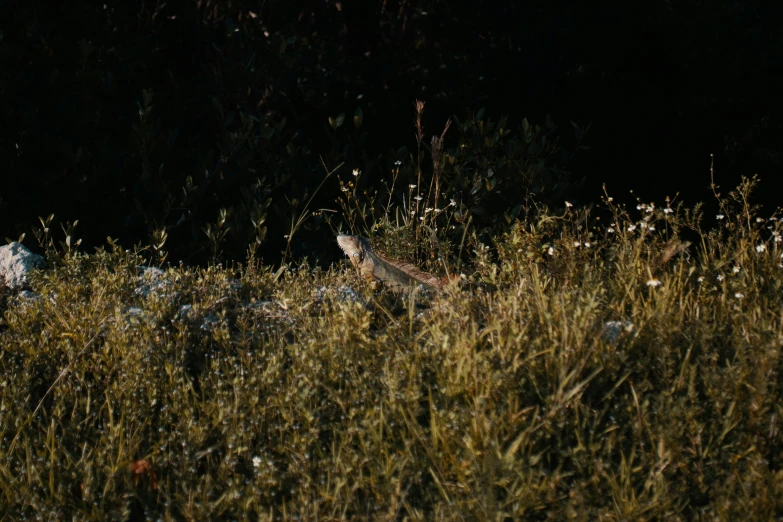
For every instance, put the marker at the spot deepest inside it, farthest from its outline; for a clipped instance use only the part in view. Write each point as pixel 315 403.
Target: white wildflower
pixel 654 282
pixel 761 247
pixel 631 228
pixel 736 270
pixel 719 217
pixel 739 295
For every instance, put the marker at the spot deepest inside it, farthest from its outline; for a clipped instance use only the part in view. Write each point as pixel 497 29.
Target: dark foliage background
pixel 137 117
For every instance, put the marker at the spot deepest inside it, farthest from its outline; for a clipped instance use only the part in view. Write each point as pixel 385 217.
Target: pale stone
pixel 16 261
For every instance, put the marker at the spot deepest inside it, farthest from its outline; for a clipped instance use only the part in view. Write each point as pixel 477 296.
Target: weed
pixel 509 399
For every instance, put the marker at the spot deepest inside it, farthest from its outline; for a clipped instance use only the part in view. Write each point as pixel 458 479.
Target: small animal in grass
pixel 397 275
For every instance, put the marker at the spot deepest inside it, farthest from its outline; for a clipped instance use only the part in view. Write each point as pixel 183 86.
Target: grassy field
pixel 585 370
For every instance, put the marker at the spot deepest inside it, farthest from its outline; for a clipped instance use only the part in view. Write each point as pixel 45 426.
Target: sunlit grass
pixel 587 370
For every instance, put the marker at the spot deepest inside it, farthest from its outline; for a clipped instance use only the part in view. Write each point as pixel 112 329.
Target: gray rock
pixel 341 293
pixel 153 281
pixel 134 311
pixel 272 311
pixel 133 316
pixel 184 312
pixel 613 330
pixel 16 261
pixel 25 298
pixel 151 272
pixel 210 321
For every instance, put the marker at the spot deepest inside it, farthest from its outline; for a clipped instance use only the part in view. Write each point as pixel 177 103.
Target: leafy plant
pixel 588 371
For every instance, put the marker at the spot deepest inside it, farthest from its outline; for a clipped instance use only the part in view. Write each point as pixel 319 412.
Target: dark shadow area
pixel 136 118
